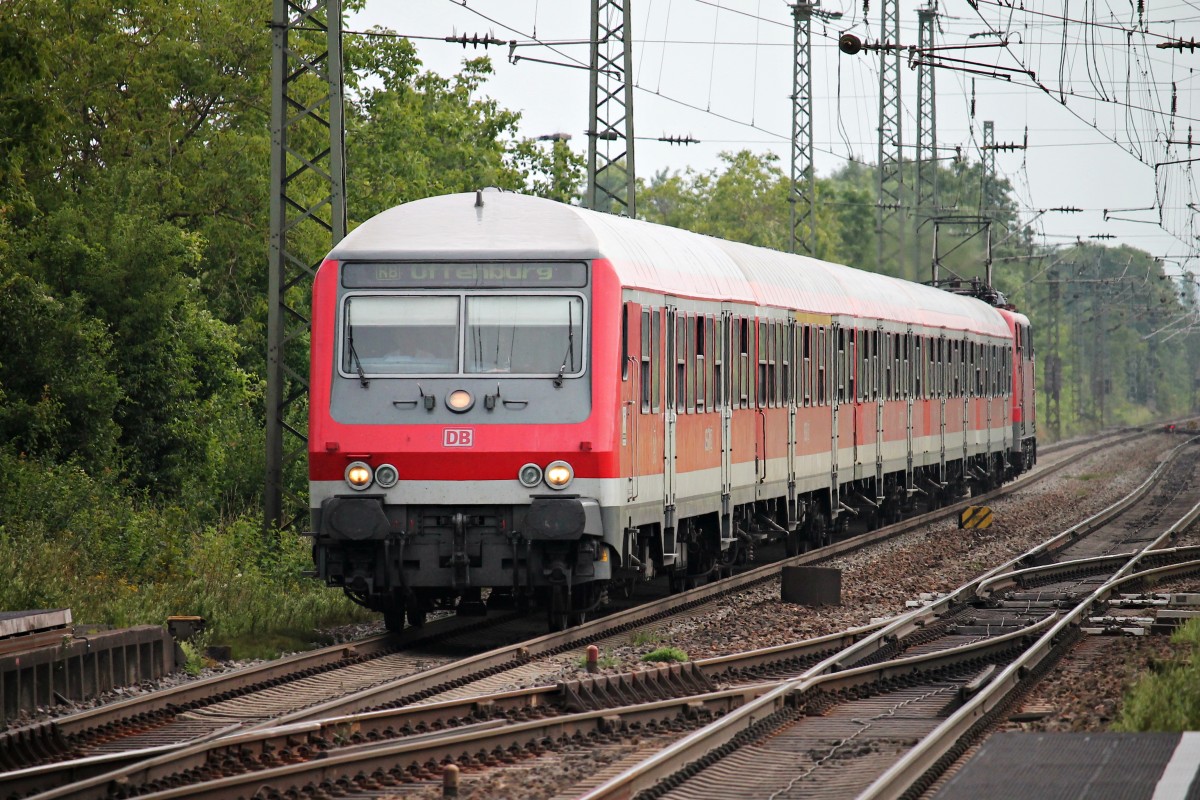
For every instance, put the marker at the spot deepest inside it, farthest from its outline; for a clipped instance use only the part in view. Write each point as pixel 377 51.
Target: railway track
pixel 470 676
pixel 887 729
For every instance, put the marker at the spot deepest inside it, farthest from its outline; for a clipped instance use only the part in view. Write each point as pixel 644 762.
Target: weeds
pixel 666 654
pixel 1167 699
pixel 644 637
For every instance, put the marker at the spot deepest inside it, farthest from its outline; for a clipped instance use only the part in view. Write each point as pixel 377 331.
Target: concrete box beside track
pixel 82 666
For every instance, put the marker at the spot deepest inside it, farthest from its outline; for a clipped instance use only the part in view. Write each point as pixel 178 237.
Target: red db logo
pixel 458 437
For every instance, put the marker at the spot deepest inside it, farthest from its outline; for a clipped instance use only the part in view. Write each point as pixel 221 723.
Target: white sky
pixel 721 72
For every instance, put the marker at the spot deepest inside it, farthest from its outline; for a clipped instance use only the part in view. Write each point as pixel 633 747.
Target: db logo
pixel 458 437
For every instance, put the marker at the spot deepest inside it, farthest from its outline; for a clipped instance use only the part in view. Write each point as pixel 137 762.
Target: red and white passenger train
pixel 514 394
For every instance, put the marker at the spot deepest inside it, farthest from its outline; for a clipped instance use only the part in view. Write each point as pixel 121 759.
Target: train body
pixel 520 396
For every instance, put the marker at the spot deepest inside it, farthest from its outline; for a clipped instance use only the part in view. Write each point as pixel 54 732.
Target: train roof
pixel 656 258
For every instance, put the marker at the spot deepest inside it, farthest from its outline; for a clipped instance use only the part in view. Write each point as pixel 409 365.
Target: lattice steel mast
pixel 803 194
pixel 927 166
pixel 308 215
pixel 889 214
pixel 802 197
pixel 989 164
pixel 610 167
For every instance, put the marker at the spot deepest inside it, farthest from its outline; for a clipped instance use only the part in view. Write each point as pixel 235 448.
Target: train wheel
pixel 558 608
pixel 415 613
pixel 393 619
pixel 818 529
pixel 794 544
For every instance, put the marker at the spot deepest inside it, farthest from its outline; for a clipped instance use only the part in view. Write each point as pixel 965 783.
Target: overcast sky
pixel 1097 108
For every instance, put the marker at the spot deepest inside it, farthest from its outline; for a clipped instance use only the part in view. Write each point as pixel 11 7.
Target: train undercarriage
pixel 408 561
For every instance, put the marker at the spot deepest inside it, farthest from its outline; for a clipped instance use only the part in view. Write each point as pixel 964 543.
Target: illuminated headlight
pixel 386 475
pixel 530 475
pixel 559 475
pixel 459 400
pixel 359 475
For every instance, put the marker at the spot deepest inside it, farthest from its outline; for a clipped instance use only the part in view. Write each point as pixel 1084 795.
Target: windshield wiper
pixel 570 354
pixel 362 376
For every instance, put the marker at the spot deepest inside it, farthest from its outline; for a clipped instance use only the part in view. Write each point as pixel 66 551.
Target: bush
pixel 1169 699
pixel 117 559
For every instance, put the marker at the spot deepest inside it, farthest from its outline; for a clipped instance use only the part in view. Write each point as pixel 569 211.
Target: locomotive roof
pixel 653 257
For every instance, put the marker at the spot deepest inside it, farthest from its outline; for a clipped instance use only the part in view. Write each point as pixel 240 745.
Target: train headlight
pixel 359 475
pixel 559 475
pixel 530 475
pixel 459 400
pixel 386 475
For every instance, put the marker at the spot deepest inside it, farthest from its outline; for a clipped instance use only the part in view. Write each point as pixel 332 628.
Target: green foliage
pixel 643 637
pixel 57 392
pixel 1168 698
pixel 666 654
pixel 193 653
pixel 85 545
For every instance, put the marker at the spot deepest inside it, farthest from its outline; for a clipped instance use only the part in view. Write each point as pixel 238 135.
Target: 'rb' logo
pixel 458 437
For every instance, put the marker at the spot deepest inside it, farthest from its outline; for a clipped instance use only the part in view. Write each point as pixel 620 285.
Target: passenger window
pixel 645 376
pixel 744 382
pixel 681 363
pixel 656 358
pixel 718 359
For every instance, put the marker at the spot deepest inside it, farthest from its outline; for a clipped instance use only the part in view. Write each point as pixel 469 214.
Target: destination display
pixel 524 275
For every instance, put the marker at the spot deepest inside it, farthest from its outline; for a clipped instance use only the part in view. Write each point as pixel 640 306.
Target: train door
pixel 881 355
pixel 910 364
pixel 669 418
pixel 634 344
pixel 759 350
pixel 835 355
pixel 791 368
pixel 725 394
pixel 854 376
pixel 940 385
pixel 989 382
pixel 1020 387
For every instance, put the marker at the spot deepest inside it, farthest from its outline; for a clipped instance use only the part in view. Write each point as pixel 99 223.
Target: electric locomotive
pixel 517 401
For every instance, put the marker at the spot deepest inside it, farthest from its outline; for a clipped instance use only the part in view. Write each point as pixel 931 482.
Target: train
pixel 516 402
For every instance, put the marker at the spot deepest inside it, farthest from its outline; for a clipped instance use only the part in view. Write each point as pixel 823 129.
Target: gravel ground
pixel 877 581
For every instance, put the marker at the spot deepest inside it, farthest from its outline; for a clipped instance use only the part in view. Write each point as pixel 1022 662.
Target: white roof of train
pixel 653 257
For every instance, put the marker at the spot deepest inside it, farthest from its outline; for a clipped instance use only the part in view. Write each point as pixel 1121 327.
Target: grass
pixel 1168 698
pixel 645 637
pixel 666 654
pixel 120 560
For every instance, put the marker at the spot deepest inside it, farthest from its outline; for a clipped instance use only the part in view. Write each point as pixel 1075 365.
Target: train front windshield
pixel 473 334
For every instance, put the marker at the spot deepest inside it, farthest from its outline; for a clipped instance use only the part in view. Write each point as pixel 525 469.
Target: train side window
pixel 760 391
pixel 670 373
pixel 890 378
pixel 787 347
pixel 644 376
pixel 918 367
pixel 681 360
pixel 718 359
pixel 962 368
pixel 984 371
pixel 938 386
pixel 704 352
pixel 781 364
pixel 804 395
pixel 878 357
pixel 625 343
pixel 694 364
pixel 656 359
pixel 743 357
pixel 853 343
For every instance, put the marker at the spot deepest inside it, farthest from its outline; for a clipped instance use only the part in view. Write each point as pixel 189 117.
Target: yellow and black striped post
pixel 975 517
